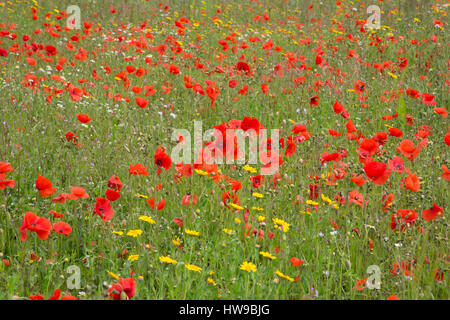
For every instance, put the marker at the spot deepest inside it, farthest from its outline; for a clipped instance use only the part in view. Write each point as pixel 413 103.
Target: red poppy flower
pixel 7 183
pixel 350 126
pixel 298 128
pixel 360 284
pixel 380 138
pixel 359 86
pixel 62 228
pixel 62 198
pixel 338 108
pixel 50 50
pixel 4 168
pixel 358 180
pixel 114 183
pixel 83 118
pixel 32 222
pixel 447 139
pixel 103 209
pixel 56 214
pixel 151 202
pixel 141 102
pixel 428 99
pixel 236 185
pixel 137 169
pixel 257 181
pixel 249 123
pixel 227 197
pixel 123 290
pixel 403 218
pixel 395 132
pixel 3 52
pixel 412 93
pixel 334 133
pixel 396 164
pixel 44 186
pixel 161 204
pixel 356 197
pixel 162 160
pixel 187 199
pixel 377 172
pixel 314 101
pixel 78 192
pixel 412 182
pixel 432 213
pixel 296 261
pixel 367 148
pixel 56 295
pixel 71 137
pixel 408 149
pixel 290 148
pixel 446 174
pixel 441 111
pixel 183 170
pixel 403 63
pixel 326 157
pixel 265 88
pixel 112 195
pixel 243 66
pixel 178 222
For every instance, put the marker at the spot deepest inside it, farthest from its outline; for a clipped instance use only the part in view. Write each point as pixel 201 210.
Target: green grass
pixel 32 139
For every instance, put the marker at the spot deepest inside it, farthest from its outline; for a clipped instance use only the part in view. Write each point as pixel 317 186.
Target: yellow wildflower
pixel 281 224
pixel 115 276
pixel 248 266
pixel 192 232
pixel 249 169
pixel 281 275
pixel 267 255
pixel 133 257
pixel 147 219
pixel 193 268
pixel 228 231
pixel 134 233
pixel 167 260
pixel 235 206
pixel 257 195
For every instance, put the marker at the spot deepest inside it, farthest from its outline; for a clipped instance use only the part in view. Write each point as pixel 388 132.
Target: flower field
pixel 343 195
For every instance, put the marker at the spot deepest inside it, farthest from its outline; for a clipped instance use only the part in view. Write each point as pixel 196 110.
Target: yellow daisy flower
pixel 192 232
pixel 167 260
pixel 193 268
pixel 147 219
pixel 134 233
pixel 248 266
pixel 267 255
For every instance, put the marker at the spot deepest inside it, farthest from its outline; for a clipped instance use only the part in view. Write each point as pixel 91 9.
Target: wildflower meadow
pixel 224 150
